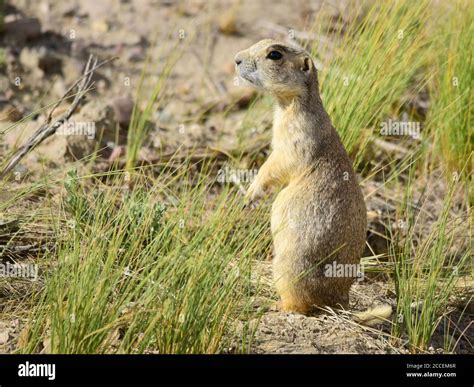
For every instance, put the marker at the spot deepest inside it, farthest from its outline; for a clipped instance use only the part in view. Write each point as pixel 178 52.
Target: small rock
pixel 122 38
pixel 123 108
pixel 40 61
pixel 29 59
pixel 228 24
pixel 132 39
pixel 117 152
pixel 59 87
pixel 21 30
pixel 9 112
pixel 4 335
pixel 100 26
pixel 67 9
pixel 100 118
pixel 372 216
pixel 136 54
pixel 164 117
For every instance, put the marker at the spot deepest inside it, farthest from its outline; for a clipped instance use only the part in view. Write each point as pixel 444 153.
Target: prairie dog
pixel 319 217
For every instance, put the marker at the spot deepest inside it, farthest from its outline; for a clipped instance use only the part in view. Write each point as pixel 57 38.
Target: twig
pixel 390 147
pixel 83 84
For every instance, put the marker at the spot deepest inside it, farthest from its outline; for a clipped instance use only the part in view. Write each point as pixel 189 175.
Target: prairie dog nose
pixel 238 59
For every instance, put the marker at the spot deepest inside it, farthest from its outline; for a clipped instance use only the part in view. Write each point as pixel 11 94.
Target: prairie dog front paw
pixel 254 192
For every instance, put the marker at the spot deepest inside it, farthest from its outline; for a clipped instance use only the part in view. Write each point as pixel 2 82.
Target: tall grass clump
pixel 450 118
pixel 427 267
pixel 370 66
pixel 136 275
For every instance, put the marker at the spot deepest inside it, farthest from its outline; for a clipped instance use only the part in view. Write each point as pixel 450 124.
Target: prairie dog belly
pixel 294 210
pixel 281 217
pixel 315 221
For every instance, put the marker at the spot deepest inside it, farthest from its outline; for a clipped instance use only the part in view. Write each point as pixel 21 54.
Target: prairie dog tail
pixel 374 315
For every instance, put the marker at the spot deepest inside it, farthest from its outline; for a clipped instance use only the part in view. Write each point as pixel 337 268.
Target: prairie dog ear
pixel 307 64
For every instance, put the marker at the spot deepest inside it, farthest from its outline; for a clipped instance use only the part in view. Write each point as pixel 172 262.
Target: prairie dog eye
pixel 274 55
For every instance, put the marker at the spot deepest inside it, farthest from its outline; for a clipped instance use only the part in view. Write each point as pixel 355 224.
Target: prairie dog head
pixel 277 68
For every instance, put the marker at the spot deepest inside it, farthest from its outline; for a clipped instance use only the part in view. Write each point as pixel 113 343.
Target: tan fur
pixel 319 216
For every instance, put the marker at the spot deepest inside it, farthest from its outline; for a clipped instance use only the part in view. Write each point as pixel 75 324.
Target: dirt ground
pixel 49 53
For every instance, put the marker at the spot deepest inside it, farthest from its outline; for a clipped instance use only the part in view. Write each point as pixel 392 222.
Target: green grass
pixel 427 265
pixel 133 275
pixel 450 119
pixel 369 68
pixel 140 120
